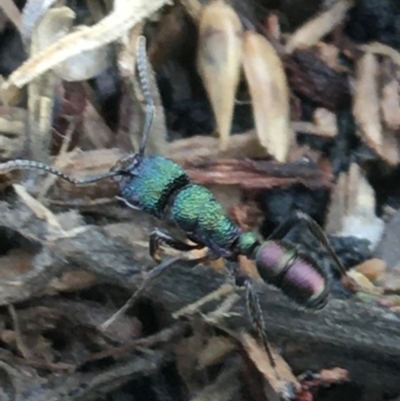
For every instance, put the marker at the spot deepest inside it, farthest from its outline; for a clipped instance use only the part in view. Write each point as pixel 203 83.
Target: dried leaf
pixel 269 93
pixel 31 13
pixel 374 269
pixel 84 65
pixel 314 30
pixel 278 378
pixel 56 24
pixel 366 111
pixel 352 208
pixel 125 15
pixel 219 55
pixel 364 284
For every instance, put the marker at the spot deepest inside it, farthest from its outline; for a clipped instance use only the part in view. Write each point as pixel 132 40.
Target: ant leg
pixel 151 277
pixel 315 230
pixel 158 236
pixel 283 228
pixel 253 307
pixel 255 312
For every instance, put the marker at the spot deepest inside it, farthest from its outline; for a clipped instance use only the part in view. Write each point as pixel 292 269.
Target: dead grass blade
pixel 218 60
pixel 314 30
pixel 269 93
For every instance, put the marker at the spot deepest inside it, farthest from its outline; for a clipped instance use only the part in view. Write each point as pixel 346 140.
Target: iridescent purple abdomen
pixel 301 280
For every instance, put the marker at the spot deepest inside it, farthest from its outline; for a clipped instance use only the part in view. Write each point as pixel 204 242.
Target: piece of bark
pixel 25 383
pixel 360 337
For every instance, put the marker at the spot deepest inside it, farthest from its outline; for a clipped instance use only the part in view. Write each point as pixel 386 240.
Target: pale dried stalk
pixel 126 14
pixel 314 30
pixel 39 210
pixel 12 12
pixel 382 50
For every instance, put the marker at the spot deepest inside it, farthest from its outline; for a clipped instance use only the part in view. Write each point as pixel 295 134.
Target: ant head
pixel 126 167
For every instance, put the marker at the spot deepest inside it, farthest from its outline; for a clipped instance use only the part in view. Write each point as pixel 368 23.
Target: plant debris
pixel 277 108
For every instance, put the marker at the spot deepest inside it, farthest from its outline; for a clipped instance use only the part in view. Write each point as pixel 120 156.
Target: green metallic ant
pixel 160 187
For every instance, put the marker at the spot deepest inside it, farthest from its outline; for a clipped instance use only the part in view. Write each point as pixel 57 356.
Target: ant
pixel 162 188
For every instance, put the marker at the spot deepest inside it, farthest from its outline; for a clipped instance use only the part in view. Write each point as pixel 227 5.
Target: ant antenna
pixel 145 84
pixel 21 164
